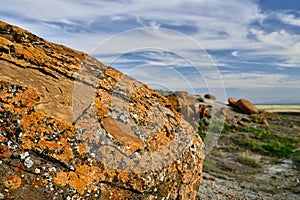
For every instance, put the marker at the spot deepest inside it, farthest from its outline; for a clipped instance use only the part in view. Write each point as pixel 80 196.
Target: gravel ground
pixel 219 189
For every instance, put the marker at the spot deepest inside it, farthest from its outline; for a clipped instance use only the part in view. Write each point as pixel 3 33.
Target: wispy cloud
pixel 288 19
pixel 242 33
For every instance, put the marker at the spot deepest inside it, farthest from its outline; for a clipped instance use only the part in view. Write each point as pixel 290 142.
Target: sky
pixel 234 48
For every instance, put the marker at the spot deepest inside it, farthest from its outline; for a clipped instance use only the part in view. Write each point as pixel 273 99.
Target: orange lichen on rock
pixel 126 143
pixel 61 178
pixel 82 148
pixel 80 179
pixel 12 182
pixel 30 51
pixel 4 151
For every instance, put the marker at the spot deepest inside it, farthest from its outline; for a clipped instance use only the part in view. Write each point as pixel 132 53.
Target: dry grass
pixel 279 108
pixel 250 159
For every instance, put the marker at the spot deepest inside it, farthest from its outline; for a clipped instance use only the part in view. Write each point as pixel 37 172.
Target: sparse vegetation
pixel 250 159
pixel 267 142
pixel 249 154
pixel 296 158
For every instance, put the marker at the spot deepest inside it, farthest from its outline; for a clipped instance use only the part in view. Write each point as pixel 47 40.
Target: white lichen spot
pixel 24 155
pixel 37 170
pixel 161 177
pixel 9 144
pixel 28 163
pixel 52 169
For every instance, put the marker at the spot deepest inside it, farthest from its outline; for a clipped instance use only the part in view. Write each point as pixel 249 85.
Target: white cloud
pixel 259 80
pixel 234 53
pixel 211 24
pixel 279 44
pixel 289 19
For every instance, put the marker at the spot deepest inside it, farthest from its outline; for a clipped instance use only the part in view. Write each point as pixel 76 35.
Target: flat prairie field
pixel 279 108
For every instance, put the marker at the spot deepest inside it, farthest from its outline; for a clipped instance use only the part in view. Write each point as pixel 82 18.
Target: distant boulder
pixel 181 93
pixel 210 96
pixel 232 101
pixel 246 107
pixel 243 106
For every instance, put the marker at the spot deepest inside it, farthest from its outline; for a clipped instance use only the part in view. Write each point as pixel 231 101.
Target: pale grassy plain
pixel 279 108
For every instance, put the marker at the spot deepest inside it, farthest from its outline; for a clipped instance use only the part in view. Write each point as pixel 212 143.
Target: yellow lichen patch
pixel 26 143
pixel 31 122
pixel 81 179
pixel 61 178
pixel 29 97
pixel 50 145
pixel 158 141
pixel 12 182
pixel 101 108
pixel 82 148
pixel 104 97
pixel 123 176
pixel 3 139
pixel 65 156
pixel 113 73
pixel 77 183
pixel 4 151
pixel 5 43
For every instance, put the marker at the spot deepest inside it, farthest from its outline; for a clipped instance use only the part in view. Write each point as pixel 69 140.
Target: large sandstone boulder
pixel 246 107
pixel 242 105
pixel 232 101
pixel 210 96
pixel 73 128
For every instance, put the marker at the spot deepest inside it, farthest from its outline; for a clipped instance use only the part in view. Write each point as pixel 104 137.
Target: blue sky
pixel 239 48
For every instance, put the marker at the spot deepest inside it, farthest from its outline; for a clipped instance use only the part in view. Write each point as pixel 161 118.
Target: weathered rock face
pixel 126 143
pixel 184 103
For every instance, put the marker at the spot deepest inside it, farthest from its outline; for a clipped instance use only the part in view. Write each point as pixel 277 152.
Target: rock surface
pixel 184 103
pixel 244 106
pixel 210 96
pixel 121 140
pixel 231 101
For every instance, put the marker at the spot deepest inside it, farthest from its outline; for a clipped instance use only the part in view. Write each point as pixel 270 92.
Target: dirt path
pixel 220 189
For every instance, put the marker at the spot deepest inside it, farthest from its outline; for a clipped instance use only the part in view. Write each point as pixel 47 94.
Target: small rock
pixel 181 93
pixel 231 101
pixel 237 116
pixel 210 96
pixel 209 178
pixel 241 123
pixel 265 122
pixel 246 107
pixel 246 119
pixel 229 121
pixel 204 112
